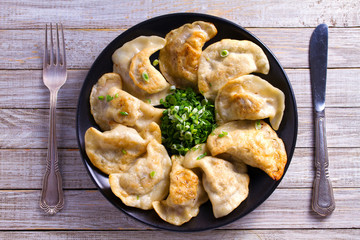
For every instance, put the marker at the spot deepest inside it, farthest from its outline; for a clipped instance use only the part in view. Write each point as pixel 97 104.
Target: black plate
pixel 261 186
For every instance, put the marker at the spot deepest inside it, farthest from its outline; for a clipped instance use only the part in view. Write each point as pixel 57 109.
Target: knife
pixel 323 201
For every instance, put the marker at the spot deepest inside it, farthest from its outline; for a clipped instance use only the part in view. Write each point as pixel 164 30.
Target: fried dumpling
pixel 227 59
pixel 254 143
pixel 144 75
pixel 110 106
pixel 115 150
pixel 146 181
pixel 179 59
pixel 186 194
pixel 133 54
pixel 226 184
pixel 249 98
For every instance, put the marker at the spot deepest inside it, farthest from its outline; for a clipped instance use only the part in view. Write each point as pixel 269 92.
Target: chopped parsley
pixel 187 121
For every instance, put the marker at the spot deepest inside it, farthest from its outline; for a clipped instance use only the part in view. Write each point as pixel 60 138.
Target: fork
pixel 54 76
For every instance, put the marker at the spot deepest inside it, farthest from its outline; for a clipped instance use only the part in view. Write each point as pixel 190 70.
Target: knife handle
pixel 323 201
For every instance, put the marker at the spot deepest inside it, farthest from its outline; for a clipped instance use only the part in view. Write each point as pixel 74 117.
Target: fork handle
pixel 52 196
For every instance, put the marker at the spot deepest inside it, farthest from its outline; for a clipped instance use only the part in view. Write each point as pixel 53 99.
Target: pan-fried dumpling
pixel 145 181
pixel 185 196
pixel 110 106
pixel 115 150
pixel 131 53
pixel 227 59
pixel 253 142
pixel 226 184
pixel 179 59
pixel 144 75
pixel 249 97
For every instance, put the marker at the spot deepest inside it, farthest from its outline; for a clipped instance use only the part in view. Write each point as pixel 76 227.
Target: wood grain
pixel 89 210
pixel 25 88
pixel 321 234
pixel 24 169
pixel 110 14
pixel 290 46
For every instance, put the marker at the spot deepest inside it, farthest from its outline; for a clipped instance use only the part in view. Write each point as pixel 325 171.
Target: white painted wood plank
pixel 110 14
pixel 25 88
pixel 24 169
pixel 320 234
pixel 89 210
pixel 28 128
pixel 24 48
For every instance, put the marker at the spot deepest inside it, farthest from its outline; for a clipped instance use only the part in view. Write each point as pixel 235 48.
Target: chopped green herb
pixel 117 95
pixel 155 62
pixel 152 174
pixel 101 97
pixel 149 101
pixel 124 113
pixel 109 98
pixel 124 151
pixel 224 53
pixel 145 76
pixel 187 121
pixel 137 197
pixel 201 156
pixel 223 134
pixel 257 125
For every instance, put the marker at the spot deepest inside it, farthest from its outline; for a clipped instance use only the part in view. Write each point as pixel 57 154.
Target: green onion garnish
pixel 145 76
pixel 201 156
pixel 224 53
pixel 109 98
pixel 124 113
pixel 124 151
pixel 155 62
pixel 223 134
pixel 101 97
pixel 257 125
pixel 187 121
pixel 116 95
pixel 137 197
pixel 152 174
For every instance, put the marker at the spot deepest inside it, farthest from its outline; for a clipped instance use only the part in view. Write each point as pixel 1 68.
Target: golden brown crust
pixel 260 148
pixel 179 59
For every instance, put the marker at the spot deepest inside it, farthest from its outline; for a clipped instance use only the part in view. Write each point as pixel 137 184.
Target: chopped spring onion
pixel 187 121
pixel 137 197
pixel 152 174
pixel 201 156
pixel 223 134
pixel 109 98
pixel 101 97
pixel 224 53
pixel 117 95
pixel 155 62
pixel 124 113
pixel 257 125
pixel 145 76
pixel 124 151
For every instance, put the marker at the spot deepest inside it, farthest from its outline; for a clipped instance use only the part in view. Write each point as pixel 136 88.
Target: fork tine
pixel 58 61
pixel 63 43
pixel 46 56
pixel 51 46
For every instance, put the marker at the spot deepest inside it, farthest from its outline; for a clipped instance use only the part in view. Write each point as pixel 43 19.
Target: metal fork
pixel 54 76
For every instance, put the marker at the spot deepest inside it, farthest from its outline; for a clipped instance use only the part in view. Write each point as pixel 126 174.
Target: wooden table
pixel 284 26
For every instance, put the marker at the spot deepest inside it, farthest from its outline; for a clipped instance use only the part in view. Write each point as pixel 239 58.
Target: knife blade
pixel 323 201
